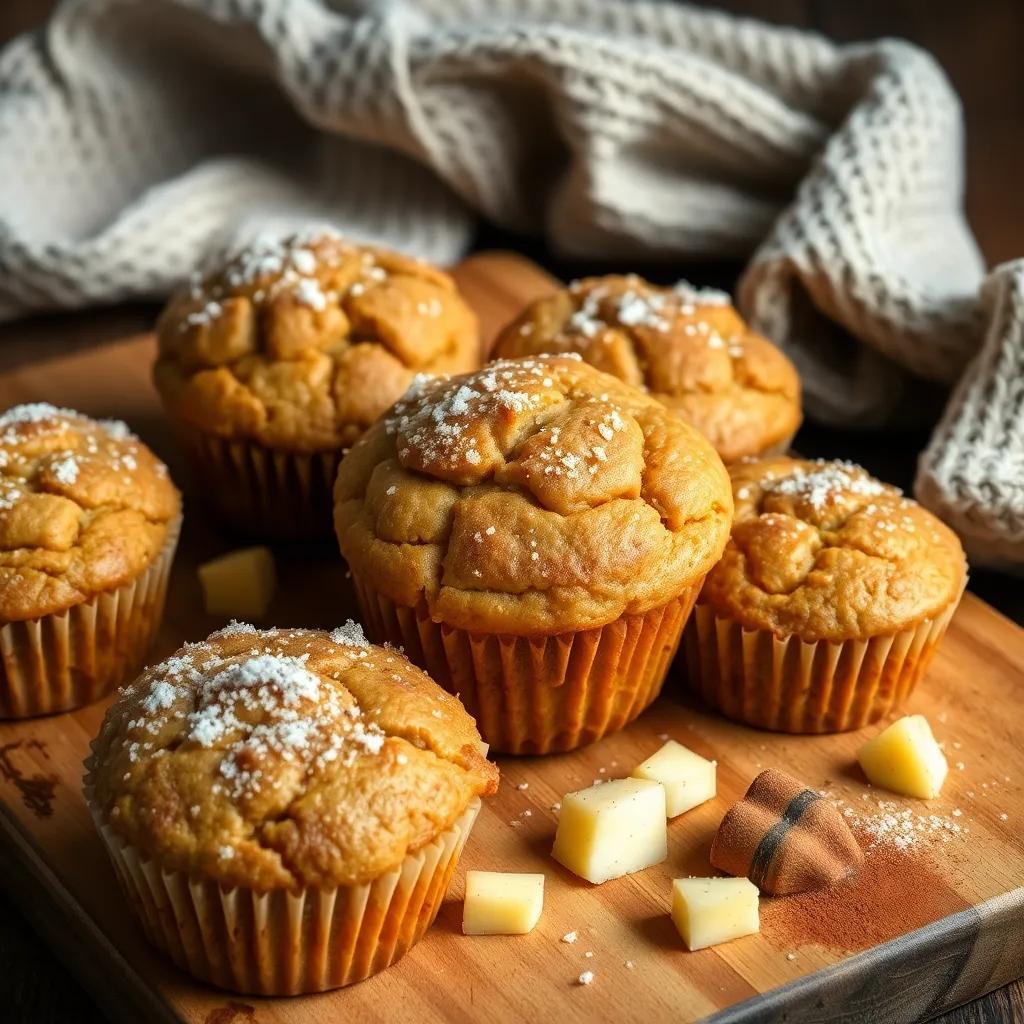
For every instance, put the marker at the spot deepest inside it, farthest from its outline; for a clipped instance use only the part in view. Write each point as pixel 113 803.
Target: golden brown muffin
pixel 295 762
pixel 822 553
pixel 88 519
pixel 687 346
pixel 536 498
pixel 275 363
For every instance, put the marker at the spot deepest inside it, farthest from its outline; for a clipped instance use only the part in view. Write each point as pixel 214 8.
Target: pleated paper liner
pixel 62 661
pixel 538 695
pixel 282 943
pixel 788 685
pixel 262 493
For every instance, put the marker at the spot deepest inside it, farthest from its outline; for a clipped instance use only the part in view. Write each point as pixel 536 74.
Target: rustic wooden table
pixel 972 41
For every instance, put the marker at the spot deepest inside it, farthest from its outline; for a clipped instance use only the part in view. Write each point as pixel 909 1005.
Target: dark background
pixel 978 43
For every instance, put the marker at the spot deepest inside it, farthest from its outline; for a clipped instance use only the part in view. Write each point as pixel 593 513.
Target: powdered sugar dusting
pixel 65 469
pixel 697 296
pixel 433 415
pixel 349 635
pixel 259 709
pixel 271 266
pixel 827 480
pixel 236 628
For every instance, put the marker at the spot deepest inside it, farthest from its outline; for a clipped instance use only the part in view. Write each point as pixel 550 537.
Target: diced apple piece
pixel 905 758
pixel 502 903
pixel 688 778
pixel 612 829
pixel 239 584
pixel 707 911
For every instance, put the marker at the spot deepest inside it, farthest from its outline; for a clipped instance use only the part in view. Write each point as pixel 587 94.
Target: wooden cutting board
pixel 955 931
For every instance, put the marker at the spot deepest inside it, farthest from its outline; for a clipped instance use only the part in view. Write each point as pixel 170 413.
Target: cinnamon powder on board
pixel 894 892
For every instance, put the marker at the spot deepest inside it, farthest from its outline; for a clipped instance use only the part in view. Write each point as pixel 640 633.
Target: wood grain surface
pixel 971 937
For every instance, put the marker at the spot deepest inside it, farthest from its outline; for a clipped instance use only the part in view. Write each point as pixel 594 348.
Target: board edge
pixel 944 953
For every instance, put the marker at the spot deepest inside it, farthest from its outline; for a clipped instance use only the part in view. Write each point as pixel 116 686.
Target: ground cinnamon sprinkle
pixel 895 891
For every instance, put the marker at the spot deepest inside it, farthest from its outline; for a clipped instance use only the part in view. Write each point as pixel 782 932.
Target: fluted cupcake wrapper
pixel 62 661
pixel 789 685
pixel 263 493
pixel 287 943
pixel 539 695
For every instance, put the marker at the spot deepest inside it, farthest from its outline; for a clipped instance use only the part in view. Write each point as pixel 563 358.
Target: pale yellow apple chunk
pixel 905 758
pixel 709 911
pixel 239 584
pixel 612 829
pixel 502 903
pixel 688 778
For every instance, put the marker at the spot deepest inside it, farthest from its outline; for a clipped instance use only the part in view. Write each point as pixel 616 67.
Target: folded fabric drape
pixel 137 135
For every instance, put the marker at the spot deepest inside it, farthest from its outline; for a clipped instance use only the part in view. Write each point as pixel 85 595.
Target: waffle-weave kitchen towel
pixel 137 135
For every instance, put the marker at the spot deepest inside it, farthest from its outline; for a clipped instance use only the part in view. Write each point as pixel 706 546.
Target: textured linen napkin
pixel 138 135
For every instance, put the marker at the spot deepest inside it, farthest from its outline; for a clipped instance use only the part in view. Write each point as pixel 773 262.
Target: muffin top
pixel 688 347
pixel 825 551
pixel 300 344
pixel 285 758
pixel 84 507
pixel 533 497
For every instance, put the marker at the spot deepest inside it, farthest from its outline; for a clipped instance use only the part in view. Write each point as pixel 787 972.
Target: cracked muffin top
pixel 533 497
pixel 285 758
pixel 301 344
pixel 687 346
pixel 85 507
pixel 825 551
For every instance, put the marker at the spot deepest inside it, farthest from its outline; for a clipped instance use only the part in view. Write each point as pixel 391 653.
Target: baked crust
pixel 533 497
pixel 85 507
pixel 285 758
pixel 688 347
pixel 300 344
pixel 824 551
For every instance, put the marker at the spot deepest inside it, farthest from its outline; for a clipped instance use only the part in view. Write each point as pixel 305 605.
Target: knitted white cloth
pixel 136 135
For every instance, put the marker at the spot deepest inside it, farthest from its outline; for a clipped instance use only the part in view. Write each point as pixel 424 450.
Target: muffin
pixel 89 521
pixel 274 364
pixel 686 346
pixel 534 535
pixel 285 808
pixel 829 602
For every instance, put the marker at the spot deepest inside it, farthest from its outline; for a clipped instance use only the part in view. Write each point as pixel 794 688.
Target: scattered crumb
pixel 569 937
pixel 523 785
pixel 586 978
pixel 589 954
pixel 629 965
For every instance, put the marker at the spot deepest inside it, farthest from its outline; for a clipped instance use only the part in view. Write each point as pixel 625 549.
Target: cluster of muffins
pixel 538 534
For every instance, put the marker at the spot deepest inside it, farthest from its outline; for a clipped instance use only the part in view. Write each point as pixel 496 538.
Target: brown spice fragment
pixel 785 838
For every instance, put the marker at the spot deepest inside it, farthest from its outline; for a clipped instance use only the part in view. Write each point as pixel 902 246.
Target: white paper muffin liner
pixel 263 493
pixel 67 659
pixel 539 695
pixel 789 685
pixel 280 942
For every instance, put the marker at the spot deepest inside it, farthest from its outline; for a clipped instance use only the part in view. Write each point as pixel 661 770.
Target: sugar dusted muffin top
pixel 825 551
pixel 85 507
pixel 299 344
pixel 532 497
pixel 687 346
pixel 285 758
